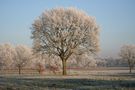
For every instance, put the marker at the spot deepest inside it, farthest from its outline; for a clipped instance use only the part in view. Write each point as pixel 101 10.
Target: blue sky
pixel 115 17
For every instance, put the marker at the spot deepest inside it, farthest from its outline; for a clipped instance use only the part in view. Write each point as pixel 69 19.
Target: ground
pixel 77 79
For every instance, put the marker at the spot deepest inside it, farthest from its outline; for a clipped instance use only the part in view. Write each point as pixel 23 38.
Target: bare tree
pixel 22 57
pixel 128 53
pixel 65 31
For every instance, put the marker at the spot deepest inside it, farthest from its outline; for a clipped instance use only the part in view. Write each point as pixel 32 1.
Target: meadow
pixel 77 79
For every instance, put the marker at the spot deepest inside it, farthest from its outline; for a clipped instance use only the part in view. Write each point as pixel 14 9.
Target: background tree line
pixel 22 57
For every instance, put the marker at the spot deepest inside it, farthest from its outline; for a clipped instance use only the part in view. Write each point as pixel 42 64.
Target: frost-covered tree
pixel 128 53
pixel 39 62
pixel 39 67
pixel 83 61
pixel 65 31
pixel 22 57
pixel 7 53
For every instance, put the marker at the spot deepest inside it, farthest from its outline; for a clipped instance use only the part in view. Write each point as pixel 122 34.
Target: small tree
pixel 39 67
pixel 22 57
pixel 53 64
pixel 128 53
pixel 39 62
pixel 63 32
pixel 7 53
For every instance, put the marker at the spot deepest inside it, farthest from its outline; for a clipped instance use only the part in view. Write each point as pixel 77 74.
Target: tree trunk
pixel 19 70
pixel 64 67
pixel 130 69
pixel 40 70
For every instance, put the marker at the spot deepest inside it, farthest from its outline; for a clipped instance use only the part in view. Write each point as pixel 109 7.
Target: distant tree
pixel 85 60
pixel 7 53
pixel 53 64
pixel 22 57
pixel 121 63
pixel 40 67
pixel 39 61
pixel 101 63
pixel 63 32
pixel 128 53
pixel 114 62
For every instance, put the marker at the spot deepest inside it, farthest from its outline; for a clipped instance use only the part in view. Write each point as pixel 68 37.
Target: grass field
pixel 92 79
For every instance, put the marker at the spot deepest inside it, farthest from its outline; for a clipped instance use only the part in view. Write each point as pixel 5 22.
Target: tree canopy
pixel 65 31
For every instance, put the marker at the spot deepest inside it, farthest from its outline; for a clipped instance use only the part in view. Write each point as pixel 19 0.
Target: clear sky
pixel 115 17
